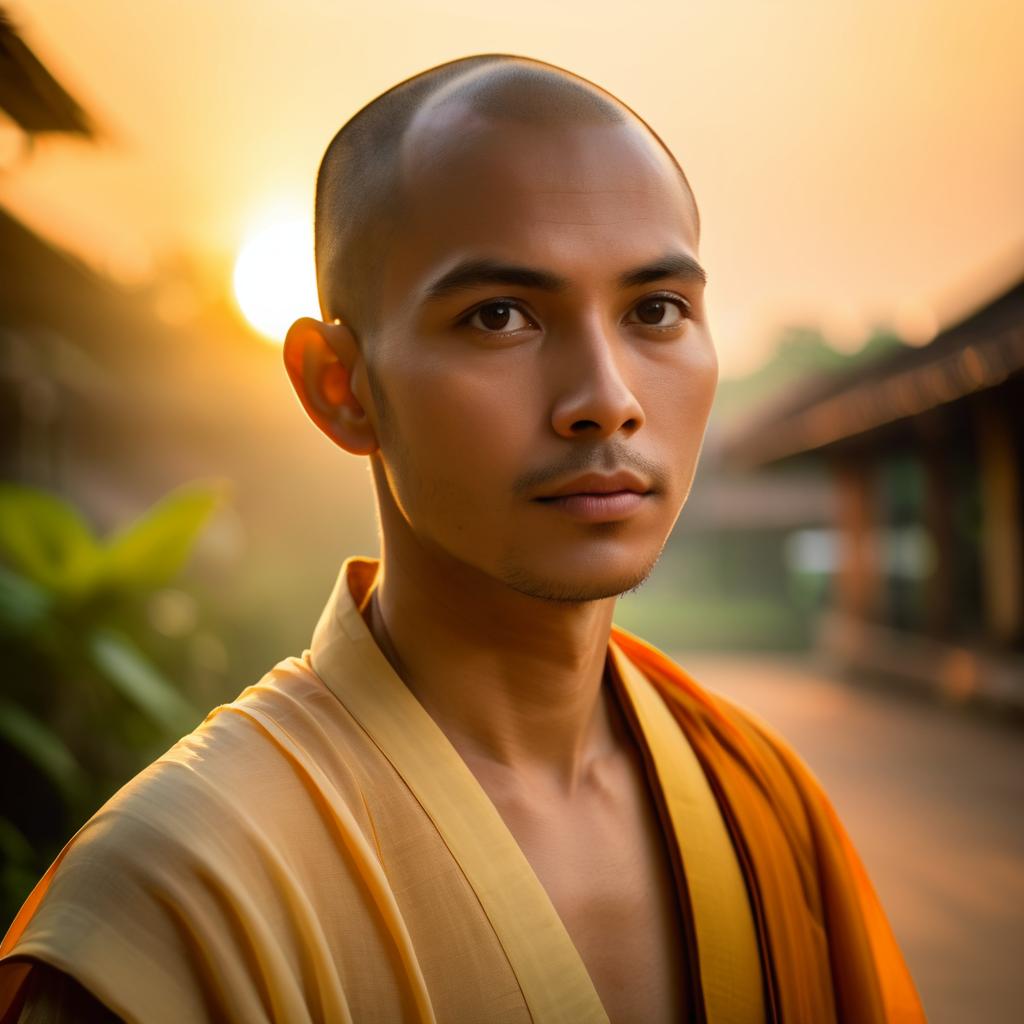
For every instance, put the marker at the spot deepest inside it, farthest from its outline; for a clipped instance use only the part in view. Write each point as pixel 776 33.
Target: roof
pixel 30 95
pixel 977 353
pixel 43 284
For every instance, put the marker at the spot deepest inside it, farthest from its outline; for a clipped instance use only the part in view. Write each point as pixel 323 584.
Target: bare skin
pixel 495 607
pixel 598 849
pixel 601 856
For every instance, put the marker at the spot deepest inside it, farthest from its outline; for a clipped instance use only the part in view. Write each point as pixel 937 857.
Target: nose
pixel 595 400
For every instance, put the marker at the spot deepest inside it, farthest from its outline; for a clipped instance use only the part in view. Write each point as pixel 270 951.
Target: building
pixel 925 447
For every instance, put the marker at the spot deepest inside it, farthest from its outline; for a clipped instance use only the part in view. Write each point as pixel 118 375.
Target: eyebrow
pixel 471 273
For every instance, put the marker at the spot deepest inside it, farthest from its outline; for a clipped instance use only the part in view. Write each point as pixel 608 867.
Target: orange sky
pixel 854 162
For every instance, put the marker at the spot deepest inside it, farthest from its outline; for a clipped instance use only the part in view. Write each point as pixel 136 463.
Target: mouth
pixel 607 506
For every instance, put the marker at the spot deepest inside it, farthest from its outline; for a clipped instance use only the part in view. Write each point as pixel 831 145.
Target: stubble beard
pixel 544 588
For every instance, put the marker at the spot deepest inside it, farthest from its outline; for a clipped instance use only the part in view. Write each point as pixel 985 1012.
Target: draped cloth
pixel 317 850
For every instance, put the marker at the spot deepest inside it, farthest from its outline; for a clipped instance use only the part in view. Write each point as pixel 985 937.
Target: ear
pixel 323 361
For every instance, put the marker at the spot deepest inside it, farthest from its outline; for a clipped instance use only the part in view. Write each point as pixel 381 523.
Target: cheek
pixel 455 430
pixel 698 394
pixel 681 392
pixel 698 360
pixel 678 405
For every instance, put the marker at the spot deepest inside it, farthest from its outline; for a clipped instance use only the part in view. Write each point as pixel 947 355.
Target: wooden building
pixel 926 452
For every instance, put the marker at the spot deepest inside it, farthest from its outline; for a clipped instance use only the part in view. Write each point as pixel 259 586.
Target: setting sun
pixel 274 278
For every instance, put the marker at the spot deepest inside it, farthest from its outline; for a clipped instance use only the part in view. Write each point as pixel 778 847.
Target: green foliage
pixel 45 541
pixel 23 604
pixel 713 622
pixel 151 552
pixel 800 354
pixel 129 672
pixel 84 704
pixel 43 747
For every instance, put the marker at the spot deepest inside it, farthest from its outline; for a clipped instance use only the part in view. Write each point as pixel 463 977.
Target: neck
pixel 512 680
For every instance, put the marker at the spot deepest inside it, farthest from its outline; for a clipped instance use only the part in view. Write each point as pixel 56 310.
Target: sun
pixel 274 277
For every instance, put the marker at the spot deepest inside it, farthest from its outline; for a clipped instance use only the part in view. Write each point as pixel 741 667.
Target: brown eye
pixel 498 317
pixel 653 312
pixel 495 318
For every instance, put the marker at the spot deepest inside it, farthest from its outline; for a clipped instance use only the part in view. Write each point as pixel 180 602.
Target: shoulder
pixel 218 843
pixel 743 752
pixel 776 780
pixel 226 765
pixel 247 759
pixel 735 728
pixel 773 749
pixel 255 772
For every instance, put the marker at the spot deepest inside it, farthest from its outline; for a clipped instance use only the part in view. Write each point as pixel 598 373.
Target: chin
pixel 599 578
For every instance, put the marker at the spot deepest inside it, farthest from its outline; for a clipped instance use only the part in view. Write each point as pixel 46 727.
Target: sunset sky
pixel 854 162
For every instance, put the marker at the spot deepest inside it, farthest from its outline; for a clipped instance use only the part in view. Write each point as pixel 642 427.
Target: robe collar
pixel 551 974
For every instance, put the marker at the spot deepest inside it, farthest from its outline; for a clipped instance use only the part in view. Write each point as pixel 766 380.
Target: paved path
pixel 934 801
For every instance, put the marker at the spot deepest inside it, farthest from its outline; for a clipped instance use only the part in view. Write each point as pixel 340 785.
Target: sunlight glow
pixel 274 278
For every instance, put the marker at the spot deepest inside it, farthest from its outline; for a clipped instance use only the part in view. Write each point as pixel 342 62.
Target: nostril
pixel 581 425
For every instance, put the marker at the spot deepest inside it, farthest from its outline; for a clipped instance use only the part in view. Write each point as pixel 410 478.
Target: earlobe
pixel 321 360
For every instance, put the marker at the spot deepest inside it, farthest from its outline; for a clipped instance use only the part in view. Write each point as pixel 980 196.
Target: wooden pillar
pixel 858 580
pixel 1002 515
pixel 938 521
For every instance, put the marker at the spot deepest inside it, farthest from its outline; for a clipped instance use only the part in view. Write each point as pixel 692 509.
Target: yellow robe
pixel 316 850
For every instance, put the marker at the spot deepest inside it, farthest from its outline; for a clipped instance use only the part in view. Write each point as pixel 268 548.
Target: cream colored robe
pixel 316 850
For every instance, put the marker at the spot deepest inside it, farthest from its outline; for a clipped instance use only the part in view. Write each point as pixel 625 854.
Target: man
pixel 473 799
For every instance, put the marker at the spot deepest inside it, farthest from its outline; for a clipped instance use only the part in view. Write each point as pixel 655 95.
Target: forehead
pixel 586 200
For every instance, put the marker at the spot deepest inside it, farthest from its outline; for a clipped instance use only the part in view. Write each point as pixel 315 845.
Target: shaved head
pixel 370 166
pixel 510 291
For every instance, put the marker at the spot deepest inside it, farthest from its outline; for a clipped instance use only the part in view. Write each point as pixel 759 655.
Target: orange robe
pixel 827 947
pixel 317 850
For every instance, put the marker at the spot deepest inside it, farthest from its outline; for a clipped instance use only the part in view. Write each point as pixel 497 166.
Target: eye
pixel 662 311
pixel 501 317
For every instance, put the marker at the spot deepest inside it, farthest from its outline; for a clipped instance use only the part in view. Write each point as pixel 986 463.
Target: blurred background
pixel 850 563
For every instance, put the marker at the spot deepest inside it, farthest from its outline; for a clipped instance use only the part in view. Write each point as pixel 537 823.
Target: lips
pixel 598 498
pixel 598 483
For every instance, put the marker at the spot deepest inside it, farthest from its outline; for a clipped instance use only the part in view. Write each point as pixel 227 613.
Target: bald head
pixel 369 168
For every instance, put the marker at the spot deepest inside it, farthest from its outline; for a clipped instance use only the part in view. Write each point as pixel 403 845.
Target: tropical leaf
pixel 24 605
pixel 46 540
pixel 131 673
pixel 16 849
pixel 152 551
pixel 21 864
pixel 43 747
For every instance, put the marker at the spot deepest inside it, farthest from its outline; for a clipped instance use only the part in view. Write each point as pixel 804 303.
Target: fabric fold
pixel 317 850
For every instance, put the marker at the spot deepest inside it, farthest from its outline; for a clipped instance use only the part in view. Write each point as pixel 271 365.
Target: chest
pixel 606 865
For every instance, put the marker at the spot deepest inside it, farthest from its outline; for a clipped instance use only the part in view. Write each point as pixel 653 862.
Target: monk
pixel 473 799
